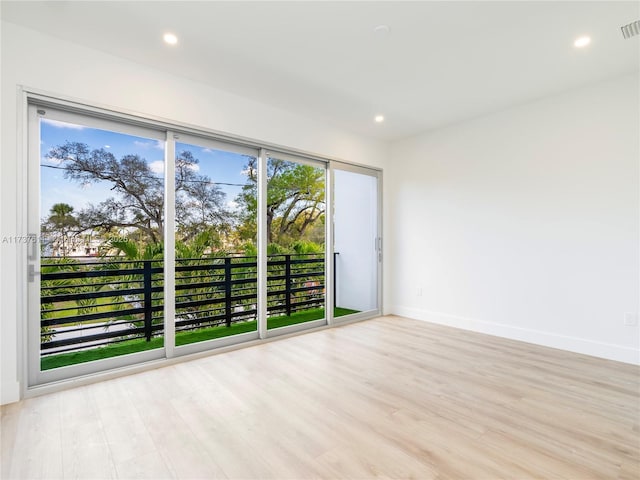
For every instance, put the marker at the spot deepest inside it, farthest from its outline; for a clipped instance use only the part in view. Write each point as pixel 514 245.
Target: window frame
pixel 133 123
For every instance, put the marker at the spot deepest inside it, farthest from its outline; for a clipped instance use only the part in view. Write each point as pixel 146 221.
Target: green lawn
pixel 102 305
pixel 182 338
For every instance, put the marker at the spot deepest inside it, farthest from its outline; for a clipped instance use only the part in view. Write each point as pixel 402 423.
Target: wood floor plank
pixel 85 450
pixel 37 451
pixel 10 416
pixel 384 398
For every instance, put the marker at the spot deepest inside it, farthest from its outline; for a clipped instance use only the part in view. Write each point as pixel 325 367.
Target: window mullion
pixel 262 243
pixel 169 244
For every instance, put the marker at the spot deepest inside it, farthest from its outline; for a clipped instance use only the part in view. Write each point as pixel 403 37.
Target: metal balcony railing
pixel 90 302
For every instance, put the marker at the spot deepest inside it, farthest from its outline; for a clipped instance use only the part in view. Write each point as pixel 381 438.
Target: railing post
pixel 148 312
pixel 335 290
pixel 287 283
pixel 227 291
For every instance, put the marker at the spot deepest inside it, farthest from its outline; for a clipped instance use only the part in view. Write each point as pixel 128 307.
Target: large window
pixel 215 241
pixel 295 232
pixel 156 243
pixel 101 224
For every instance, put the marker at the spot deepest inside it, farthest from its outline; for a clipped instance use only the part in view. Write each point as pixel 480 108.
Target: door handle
pixel 32 273
pixel 32 239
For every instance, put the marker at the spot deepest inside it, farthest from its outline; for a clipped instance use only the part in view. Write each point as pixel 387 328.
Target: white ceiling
pixel 442 62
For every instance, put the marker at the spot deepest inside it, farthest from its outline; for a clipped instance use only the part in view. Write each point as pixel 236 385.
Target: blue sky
pixel 219 166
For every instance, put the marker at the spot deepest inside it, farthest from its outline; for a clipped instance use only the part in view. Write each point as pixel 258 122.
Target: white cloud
pixel 58 124
pixel 195 167
pixel 159 144
pixel 207 150
pixel 51 160
pixel 157 166
pixel 232 205
pixel 107 146
pixel 77 198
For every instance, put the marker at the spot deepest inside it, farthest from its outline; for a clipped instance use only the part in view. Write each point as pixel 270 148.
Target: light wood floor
pixel 389 398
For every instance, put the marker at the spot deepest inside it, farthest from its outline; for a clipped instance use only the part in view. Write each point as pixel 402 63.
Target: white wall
pixel 62 68
pixel 524 223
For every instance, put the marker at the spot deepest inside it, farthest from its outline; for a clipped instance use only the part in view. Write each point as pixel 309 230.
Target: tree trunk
pixel 269 230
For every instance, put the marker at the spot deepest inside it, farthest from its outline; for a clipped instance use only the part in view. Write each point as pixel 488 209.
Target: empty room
pixel 320 239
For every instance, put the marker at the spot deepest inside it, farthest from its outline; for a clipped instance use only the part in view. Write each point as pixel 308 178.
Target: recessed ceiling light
pixel 582 42
pixel 170 38
pixel 379 118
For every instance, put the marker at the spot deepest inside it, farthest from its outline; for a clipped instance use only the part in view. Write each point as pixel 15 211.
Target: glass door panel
pixel 357 244
pixel 296 241
pixel 215 240
pixel 96 195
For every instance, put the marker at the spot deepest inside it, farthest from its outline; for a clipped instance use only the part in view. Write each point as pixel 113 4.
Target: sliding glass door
pixel 216 274
pixel 295 231
pixel 95 265
pixel 357 249
pixel 148 243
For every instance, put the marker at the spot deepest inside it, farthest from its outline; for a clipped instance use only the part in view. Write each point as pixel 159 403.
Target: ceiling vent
pixel 631 30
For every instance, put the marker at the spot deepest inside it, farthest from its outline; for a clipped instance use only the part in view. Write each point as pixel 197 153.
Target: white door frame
pixel 35 376
pixel 377 174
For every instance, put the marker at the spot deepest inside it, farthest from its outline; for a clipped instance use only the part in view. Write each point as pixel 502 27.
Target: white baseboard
pixel 547 339
pixel 10 392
